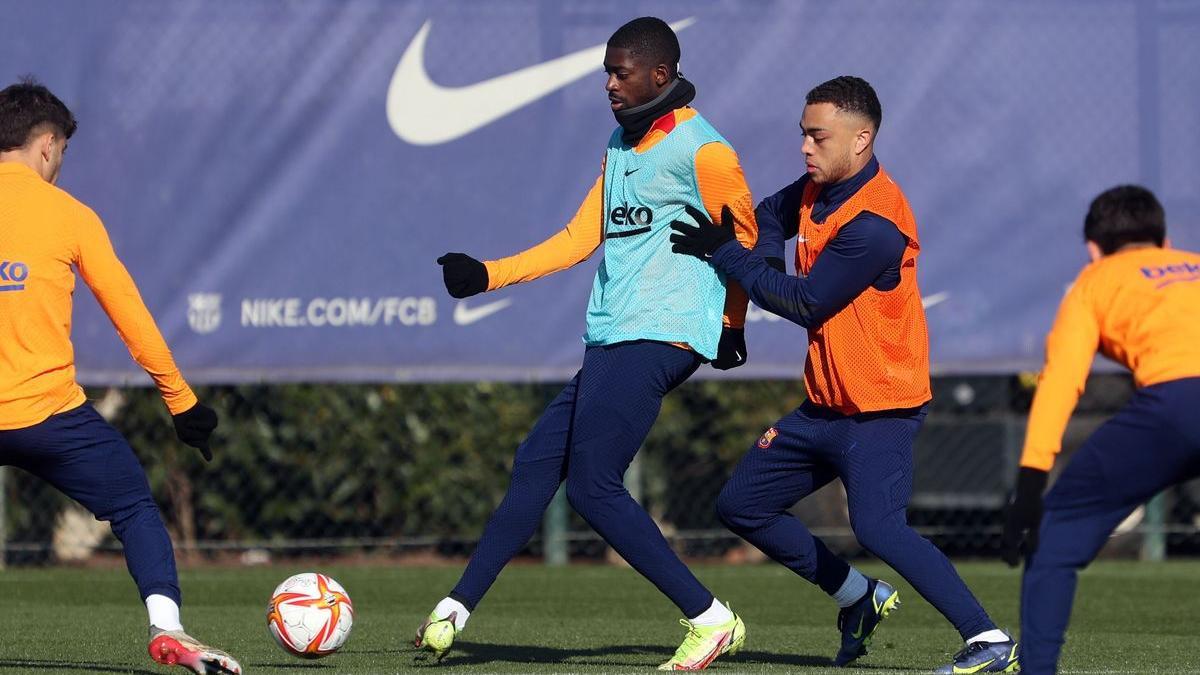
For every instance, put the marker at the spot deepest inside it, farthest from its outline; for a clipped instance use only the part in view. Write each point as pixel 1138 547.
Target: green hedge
pixel 297 462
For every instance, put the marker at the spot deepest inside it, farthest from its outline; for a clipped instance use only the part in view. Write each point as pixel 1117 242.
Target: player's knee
pixel 734 512
pixel 595 498
pixel 876 535
pixel 1063 550
pixel 576 496
pixel 139 513
pixel 583 496
pixel 532 479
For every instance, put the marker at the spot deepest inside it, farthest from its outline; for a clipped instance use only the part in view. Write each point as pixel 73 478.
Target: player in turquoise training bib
pixel 653 318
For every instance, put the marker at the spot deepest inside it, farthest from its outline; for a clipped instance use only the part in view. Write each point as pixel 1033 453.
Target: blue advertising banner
pixel 279 176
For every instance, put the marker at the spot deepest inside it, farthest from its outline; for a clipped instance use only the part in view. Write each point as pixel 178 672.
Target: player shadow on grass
pixel 277 665
pixel 751 657
pixel 469 653
pixel 293 665
pixel 25 665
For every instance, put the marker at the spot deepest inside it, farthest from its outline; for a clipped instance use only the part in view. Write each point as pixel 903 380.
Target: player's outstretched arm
pixel 110 282
pixel 465 276
pixel 863 250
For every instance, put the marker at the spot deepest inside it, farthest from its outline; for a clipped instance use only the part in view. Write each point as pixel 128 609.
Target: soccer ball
pixel 310 615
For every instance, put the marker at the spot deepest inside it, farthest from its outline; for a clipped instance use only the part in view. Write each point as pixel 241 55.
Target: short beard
pixel 840 171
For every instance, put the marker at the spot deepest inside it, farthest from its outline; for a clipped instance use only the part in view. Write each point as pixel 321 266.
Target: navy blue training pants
pixel 88 460
pixel 587 437
pixel 872 454
pixel 1151 444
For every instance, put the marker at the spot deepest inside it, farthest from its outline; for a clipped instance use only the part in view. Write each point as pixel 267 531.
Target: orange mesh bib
pixel 874 353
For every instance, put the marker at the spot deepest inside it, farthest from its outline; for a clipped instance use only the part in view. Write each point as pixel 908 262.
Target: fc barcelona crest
pixel 204 312
pixel 768 436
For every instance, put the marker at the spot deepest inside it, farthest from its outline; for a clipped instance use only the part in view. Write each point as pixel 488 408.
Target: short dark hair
pixel 27 106
pixel 1126 214
pixel 649 37
pixel 848 94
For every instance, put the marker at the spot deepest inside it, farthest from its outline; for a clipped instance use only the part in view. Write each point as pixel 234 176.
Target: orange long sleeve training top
pixel 1138 307
pixel 44 233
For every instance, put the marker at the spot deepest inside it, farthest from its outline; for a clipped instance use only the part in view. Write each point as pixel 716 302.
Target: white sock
pixel 715 615
pixel 163 611
pixel 853 589
pixel 992 636
pixel 448 605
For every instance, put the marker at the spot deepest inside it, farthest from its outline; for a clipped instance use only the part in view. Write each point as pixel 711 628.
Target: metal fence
pixel 415 470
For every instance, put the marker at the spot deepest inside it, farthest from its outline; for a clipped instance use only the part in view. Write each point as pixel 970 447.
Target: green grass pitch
pixel 1128 617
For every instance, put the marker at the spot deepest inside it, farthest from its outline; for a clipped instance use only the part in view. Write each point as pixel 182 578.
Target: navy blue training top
pixel 866 252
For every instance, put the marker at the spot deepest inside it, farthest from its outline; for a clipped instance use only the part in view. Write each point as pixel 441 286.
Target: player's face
pixel 833 142
pixel 631 80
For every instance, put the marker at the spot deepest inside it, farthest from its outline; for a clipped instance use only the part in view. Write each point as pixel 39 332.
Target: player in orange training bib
pixel 867 377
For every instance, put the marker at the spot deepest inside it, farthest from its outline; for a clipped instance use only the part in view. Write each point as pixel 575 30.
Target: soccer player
pixel 1136 303
pixel 47 427
pixel 653 319
pixel 867 376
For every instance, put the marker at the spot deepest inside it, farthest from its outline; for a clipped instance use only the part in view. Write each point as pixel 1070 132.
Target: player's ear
pixel 46 145
pixel 662 75
pixel 862 140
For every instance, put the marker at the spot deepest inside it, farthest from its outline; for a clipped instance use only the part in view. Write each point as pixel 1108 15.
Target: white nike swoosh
pixel 465 316
pixel 423 112
pixel 935 299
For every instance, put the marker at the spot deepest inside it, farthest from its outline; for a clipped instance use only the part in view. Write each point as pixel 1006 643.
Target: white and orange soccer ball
pixel 310 615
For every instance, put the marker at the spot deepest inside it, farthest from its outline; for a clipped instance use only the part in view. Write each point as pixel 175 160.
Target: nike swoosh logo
pixel 935 299
pixel 465 316
pixel 974 669
pixel 708 658
pixel 629 171
pixel 858 633
pixel 423 112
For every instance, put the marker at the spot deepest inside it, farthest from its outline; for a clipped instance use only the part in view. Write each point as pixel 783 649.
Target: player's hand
pixel 1024 517
pixel 703 238
pixel 464 276
pixel 731 351
pixel 194 426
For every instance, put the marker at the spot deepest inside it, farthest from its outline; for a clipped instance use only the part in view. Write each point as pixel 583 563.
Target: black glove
pixel 1024 517
pixel 776 264
pixel 464 275
pixel 194 426
pixel 702 239
pixel 731 351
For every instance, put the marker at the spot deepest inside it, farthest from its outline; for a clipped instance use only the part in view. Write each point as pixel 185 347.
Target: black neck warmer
pixel 637 121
